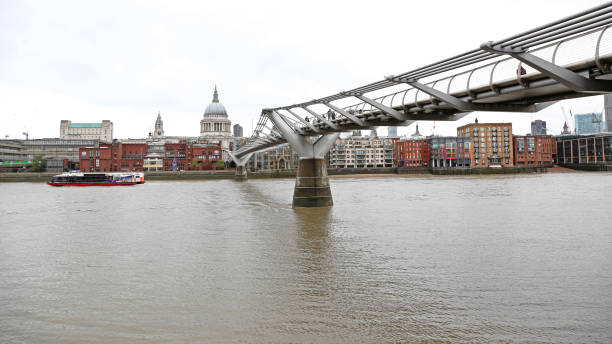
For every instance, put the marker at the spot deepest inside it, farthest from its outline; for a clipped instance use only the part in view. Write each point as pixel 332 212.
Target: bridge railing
pixel 593 45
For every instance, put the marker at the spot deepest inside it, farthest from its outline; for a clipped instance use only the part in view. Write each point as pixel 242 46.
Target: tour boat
pixel 96 179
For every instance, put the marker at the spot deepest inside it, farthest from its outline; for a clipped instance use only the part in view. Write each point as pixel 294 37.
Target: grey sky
pixel 126 60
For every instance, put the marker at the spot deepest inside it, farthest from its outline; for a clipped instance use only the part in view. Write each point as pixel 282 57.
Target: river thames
pixel 506 259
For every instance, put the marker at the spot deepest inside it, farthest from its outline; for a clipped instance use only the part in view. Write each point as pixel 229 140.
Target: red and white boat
pixel 97 179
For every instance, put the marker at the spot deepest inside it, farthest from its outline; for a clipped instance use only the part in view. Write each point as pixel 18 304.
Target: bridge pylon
pixel 241 170
pixel 312 187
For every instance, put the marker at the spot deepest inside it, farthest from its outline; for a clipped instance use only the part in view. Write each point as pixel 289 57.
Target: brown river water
pixel 487 259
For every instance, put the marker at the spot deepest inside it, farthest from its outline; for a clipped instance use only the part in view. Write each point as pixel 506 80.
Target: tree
pixel 38 164
pixel 219 164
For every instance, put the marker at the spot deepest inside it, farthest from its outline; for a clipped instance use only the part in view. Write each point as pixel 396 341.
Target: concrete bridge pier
pixel 241 170
pixel 241 173
pixel 311 184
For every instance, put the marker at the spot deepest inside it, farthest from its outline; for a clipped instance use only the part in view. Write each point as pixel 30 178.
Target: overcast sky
pixel 126 60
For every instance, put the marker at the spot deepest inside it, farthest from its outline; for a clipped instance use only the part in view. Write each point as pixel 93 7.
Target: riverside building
pixel 491 144
pixel 449 152
pixel 59 154
pixel 584 149
pixel 149 157
pixel 281 157
pixel 411 151
pixel 408 152
pixel 534 150
pixel 362 152
pixel 12 150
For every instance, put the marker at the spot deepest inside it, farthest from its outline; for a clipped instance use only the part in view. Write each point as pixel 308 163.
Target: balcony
pixel 133 156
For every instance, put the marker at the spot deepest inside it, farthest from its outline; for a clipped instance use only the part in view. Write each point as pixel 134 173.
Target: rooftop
pixel 85 125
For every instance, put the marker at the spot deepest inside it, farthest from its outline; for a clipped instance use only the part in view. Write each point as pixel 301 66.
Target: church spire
pixel 215 96
pixel 416 133
pixel 159 127
pixel 565 129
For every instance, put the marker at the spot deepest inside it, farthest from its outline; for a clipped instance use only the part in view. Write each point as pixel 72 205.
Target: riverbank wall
pixel 290 173
pixel 589 167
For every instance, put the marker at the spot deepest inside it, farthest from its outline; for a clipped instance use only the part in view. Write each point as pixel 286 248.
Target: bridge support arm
pixel 564 76
pixel 329 123
pixel 387 110
pixel 469 107
pixel 353 118
pixel 315 129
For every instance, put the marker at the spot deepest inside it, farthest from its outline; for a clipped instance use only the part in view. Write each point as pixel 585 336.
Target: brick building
pixel 492 144
pixel 176 157
pixel 139 157
pixel 410 152
pixel 129 156
pixel 534 150
pixel 96 159
pixel 203 156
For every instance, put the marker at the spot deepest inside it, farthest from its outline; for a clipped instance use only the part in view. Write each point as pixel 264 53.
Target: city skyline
pixel 85 63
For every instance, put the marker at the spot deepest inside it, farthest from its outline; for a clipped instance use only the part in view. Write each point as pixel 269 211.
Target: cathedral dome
pixel 215 109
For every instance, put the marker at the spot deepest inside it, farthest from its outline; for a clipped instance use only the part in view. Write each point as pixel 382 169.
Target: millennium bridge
pixel 565 59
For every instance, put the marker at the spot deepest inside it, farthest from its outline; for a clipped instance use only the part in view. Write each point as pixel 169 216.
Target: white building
pixel 87 131
pixel 360 152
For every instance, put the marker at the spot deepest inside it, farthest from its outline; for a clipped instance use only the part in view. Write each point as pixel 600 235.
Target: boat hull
pixel 97 179
pixel 90 184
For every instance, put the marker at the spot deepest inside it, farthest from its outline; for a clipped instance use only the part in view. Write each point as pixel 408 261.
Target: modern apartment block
pixel 492 144
pixel 361 152
pixel 449 151
pixel 534 150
